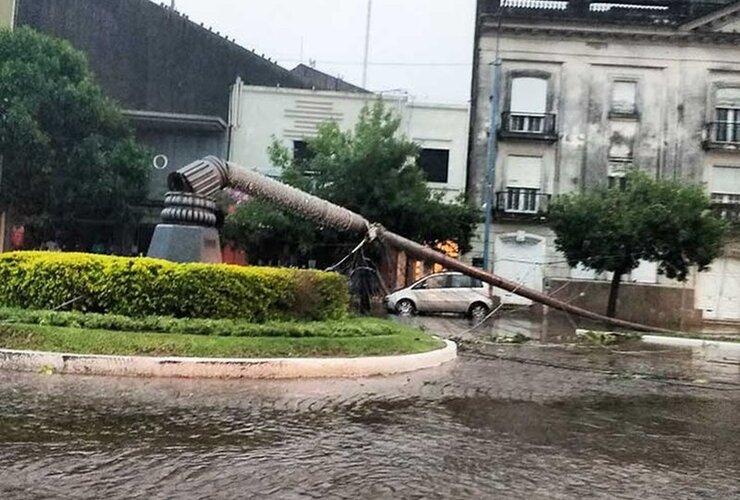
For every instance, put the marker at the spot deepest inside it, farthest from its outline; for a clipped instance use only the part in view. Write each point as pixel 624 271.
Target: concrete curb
pixel 733 347
pixel 245 368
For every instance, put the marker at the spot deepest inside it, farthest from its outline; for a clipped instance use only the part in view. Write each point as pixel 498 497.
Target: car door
pixel 460 294
pixel 430 293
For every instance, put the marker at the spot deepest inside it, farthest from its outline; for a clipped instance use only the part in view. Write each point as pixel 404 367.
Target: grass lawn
pixel 398 340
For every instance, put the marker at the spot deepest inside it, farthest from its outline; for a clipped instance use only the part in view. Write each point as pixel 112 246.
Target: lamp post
pixel 490 183
pixel 367 42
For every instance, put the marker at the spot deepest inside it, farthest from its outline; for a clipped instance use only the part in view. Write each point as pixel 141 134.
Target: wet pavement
pixel 529 421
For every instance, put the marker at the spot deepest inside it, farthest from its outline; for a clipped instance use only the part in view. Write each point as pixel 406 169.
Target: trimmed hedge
pixel 149 287
pixel 346 328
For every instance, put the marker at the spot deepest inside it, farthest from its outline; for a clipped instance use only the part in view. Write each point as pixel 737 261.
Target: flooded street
pixel 525 421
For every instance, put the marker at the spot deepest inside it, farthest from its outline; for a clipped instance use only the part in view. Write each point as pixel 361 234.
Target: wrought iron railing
pixel 532 125
pixel 727 206
pixel 522 201
pixel 723 133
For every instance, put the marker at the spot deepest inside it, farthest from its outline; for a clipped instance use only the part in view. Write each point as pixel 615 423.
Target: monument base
pixel 180 243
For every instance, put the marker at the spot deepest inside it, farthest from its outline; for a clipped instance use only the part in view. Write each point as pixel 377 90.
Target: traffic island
pixel 223 368
pixel 348 348
pixel 150 317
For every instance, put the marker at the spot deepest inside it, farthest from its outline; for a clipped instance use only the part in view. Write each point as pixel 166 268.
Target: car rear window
pixel 462 281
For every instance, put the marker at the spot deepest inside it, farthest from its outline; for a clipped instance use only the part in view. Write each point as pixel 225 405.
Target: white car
pixel 443 293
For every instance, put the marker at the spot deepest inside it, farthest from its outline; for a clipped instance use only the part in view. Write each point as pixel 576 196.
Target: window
pixel 725 180
pixel 301 151
pixel 435 164
pixel 433 283
pixel 528 105
pixel 524 171
pixel 620 151
pixel 624 97
pixel 725 191
pixel 617 171
pixel 523 181
pixel 463 281
pixel 727 115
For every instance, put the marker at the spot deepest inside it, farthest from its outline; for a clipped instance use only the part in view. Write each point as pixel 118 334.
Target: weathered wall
pixel 676 81
pixel 647 304
pixel 675 85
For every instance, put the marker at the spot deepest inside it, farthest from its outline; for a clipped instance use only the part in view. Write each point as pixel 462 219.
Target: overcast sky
pixel 424 47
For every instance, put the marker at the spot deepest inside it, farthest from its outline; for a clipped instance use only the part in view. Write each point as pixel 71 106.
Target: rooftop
pixel 668 13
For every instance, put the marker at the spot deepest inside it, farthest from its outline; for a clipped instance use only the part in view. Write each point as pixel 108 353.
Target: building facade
pixel 262 114
pixel 587 90
pixel 171 76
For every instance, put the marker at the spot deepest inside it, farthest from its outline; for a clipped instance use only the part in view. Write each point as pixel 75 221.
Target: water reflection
pixel 501 422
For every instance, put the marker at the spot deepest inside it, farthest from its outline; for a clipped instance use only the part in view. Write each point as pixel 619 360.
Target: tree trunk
pixel 611 308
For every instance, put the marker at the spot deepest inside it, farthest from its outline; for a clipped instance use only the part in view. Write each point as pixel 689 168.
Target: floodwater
pixel 531 421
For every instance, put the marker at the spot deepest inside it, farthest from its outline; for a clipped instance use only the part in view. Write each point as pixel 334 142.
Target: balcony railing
pixel 541 126
pixel 723 135
pixel 521 202
pixel 727 206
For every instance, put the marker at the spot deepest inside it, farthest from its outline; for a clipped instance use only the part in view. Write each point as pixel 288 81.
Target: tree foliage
pixel 68 152
pixel 370 170
pixel 655 220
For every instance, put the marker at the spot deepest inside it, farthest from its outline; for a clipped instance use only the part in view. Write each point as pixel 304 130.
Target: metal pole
pixel 367 43
pixel 490 184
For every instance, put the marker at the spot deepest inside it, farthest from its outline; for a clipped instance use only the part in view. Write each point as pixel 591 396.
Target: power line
pixel 386 63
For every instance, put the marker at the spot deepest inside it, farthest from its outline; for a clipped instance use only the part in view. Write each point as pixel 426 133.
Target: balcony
pixel 521 203
pixel 727 206
pixel 724 135
pixel 533 126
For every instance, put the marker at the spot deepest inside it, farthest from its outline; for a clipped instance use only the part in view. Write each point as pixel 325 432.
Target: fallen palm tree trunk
pixel 210 175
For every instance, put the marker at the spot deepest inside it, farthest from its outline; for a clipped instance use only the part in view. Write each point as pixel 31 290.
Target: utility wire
pixel 387 63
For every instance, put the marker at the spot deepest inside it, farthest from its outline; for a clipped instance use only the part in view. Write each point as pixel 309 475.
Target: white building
pixel 259 115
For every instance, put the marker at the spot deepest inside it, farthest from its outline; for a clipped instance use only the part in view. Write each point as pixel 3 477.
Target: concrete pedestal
pixel 186 244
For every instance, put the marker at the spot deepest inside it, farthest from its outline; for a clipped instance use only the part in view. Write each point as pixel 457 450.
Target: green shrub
pixel 140 287
pixel 365 327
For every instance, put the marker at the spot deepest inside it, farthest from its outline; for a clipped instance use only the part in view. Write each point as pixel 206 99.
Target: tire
pixel 405 307
pixel 478 311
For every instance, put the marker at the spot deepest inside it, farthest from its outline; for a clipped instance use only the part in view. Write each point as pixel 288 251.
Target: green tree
pixel 371 170
pixel 68 152
pixel 656 220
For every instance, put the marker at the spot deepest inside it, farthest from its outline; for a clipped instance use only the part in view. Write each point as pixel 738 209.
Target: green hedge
pixel 149 287
pixel 353 327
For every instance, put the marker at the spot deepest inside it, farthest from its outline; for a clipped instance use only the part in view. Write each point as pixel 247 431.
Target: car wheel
pixel 478 311
pixel 405 308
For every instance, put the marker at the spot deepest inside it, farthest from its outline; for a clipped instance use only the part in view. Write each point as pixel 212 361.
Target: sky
pixel 423 47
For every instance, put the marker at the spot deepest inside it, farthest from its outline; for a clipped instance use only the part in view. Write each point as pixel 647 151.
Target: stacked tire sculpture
pixel 187 232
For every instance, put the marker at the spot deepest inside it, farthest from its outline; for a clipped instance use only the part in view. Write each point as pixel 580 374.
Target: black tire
pixel 478 311
pixel 405 307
